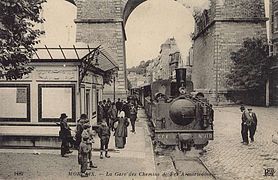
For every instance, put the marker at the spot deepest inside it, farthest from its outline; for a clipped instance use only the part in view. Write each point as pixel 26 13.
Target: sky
pixel 148 26
pixel 152 22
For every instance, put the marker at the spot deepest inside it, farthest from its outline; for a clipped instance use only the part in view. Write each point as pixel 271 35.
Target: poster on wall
pixel 21 95
pixel 13 103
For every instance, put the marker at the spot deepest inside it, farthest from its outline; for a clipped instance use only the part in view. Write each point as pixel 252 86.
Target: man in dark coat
pixel 249 123
pixel 253 125
pixel 119 105
pixel 65 135
pixel 108 109
pixel 133 116
pixel 100 112
pixel 126 109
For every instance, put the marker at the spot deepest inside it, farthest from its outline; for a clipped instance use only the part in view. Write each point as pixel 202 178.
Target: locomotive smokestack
pixel 181 76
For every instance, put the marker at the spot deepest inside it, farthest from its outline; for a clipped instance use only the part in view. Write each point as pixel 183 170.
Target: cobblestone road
pixel 228 159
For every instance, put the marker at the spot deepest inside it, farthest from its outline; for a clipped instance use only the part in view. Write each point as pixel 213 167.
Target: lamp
pixel 96 57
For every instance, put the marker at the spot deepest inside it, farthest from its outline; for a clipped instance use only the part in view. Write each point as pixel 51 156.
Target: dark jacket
pixel 126 109
pixel 249 118
pixel 100 113
pixel 64 130
pixel 119 105
pixel 133 114
pixel 121 129
pixel 103 131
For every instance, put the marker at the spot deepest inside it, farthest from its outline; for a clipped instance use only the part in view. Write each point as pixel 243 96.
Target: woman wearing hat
pixel 65 135
pixel 121 130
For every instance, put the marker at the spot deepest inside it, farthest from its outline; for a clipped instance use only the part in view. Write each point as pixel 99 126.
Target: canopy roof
pixel 96 56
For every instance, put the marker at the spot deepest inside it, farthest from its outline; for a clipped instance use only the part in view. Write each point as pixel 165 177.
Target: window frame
pixel 28 108
pixel 73 105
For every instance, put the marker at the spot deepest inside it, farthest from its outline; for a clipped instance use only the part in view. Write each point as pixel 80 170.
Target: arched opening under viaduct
pixel 150 27
pixel 218 31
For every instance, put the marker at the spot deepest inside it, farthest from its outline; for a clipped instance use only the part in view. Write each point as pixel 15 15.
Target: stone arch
pixel 130 5
pixel 224 27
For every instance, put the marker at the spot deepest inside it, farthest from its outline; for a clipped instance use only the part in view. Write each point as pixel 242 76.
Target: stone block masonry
pixel 230 23
pixel 100 23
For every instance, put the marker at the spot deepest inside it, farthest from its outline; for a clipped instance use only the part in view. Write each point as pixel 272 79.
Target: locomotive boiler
pixel 179 118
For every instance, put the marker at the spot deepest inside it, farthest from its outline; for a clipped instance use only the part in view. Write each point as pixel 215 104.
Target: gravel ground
pixel 53 166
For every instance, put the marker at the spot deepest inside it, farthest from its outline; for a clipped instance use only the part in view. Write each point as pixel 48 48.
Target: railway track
pixel 178 166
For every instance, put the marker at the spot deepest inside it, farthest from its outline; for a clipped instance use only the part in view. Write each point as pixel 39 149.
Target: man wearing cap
pixel 253 125
pixel 88 132
pixel 79 128
pixel 249 123
pixel 243 129
pixel 65 134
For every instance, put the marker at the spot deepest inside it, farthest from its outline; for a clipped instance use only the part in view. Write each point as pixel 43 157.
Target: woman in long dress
pixel 121 130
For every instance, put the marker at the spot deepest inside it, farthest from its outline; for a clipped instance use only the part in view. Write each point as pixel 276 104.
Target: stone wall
pixel 230 23
pixel 240 9
pixel 273 25
pixel 99 9
pixel 230 39
pixel 203 63
pixel 100 23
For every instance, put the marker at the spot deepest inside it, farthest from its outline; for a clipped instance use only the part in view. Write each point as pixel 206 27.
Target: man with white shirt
pixel 249 123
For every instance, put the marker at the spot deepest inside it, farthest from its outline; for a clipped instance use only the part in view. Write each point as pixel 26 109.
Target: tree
pixel 250 70
pixel 108 76
pixel 250 65
pixel 141 68
pixel 18 36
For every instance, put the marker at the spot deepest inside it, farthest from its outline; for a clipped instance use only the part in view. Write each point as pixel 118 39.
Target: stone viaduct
pixel 218 31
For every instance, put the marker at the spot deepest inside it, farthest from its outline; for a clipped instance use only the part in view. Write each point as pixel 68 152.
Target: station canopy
pixel 96 56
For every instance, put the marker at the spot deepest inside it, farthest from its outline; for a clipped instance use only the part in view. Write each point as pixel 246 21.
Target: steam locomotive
pixel 179 116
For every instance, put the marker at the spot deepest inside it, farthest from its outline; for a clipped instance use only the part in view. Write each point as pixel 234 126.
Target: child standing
pixel 88 132
pixel 83 154
pixel 104 135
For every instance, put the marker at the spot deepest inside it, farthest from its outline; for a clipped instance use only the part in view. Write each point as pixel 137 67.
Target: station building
pixel 68 77
pixel 64 80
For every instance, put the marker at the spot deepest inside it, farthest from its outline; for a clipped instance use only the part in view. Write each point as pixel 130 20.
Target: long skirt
pixel 120 141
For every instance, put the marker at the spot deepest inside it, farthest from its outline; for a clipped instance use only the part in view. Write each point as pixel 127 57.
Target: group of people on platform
pixel 111 116
pixel 248 124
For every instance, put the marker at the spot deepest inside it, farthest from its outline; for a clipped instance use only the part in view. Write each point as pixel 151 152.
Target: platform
pixel 136 158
